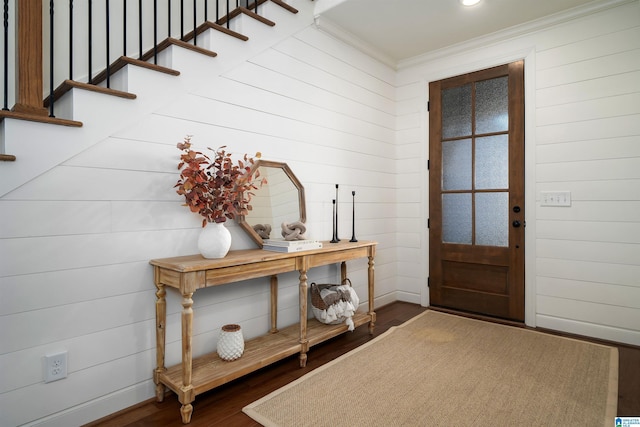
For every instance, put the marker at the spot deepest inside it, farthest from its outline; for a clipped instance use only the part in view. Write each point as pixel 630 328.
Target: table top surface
pixel 197 262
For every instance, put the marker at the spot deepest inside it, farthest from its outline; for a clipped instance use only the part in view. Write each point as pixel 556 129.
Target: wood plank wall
pixel 583 135
pixel 588 110
pixel 76 241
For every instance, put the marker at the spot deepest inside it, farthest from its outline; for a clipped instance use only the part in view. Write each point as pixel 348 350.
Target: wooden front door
pixel 476 192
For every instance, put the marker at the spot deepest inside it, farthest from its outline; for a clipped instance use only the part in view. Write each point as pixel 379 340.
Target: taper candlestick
pixel 337 234
pixel 353 218
pixel 334 239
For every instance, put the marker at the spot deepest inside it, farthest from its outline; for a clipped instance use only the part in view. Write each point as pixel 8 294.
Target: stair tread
pixel 37 118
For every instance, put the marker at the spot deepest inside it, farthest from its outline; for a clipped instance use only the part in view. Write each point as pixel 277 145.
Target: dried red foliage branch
pixel 217 189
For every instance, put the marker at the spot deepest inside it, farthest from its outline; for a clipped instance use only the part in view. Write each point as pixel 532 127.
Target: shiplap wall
pixel 588 115
pixel 76 241
pixel 582 79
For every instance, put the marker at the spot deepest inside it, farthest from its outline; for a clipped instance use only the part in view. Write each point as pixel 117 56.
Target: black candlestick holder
pixel 336 215
pixel 334 239
pixel 353 218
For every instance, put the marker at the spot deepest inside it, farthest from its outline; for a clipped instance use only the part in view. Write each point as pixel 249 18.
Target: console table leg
pixel 304 343
pixel 186 411
pixel 160 390
pixel 161 318
pixel 371 270
pixel 274 304
pixel 372 323
pixel 186 395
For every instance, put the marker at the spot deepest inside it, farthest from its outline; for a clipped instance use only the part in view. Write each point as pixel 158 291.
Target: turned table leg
pixel 372 323
pixel 304 342
pixel 186 395
pixel 274 304
pixel 161 318
pixel 185 412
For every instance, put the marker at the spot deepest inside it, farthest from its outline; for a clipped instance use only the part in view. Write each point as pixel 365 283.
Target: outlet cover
pixel 55 367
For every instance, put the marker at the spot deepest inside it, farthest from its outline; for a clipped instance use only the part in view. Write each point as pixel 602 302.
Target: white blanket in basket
pixel 341 310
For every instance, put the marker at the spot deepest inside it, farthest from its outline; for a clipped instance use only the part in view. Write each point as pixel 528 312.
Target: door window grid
pixel 475 163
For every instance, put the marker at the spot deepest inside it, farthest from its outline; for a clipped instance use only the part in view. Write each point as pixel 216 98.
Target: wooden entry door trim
pixel 482 279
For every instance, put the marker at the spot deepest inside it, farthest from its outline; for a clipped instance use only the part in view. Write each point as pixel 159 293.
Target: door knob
pixel 516 223
pixel 516 209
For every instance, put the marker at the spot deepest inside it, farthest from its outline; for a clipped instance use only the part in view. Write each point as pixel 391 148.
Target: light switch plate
pixel 555 198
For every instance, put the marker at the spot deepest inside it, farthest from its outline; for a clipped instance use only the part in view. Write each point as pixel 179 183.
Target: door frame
pixel 530 190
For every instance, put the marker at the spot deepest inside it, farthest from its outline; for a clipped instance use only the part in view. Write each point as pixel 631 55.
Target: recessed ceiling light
pixel 469 2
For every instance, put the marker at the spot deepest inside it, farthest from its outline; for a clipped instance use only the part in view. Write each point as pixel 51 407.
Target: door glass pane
pixel 456 218
pixel 492 162
pixel 456 165
pixel 456 112
pixel 492 105
pixel 492 219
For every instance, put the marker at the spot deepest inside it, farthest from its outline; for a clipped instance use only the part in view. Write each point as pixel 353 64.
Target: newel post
pixel 29 93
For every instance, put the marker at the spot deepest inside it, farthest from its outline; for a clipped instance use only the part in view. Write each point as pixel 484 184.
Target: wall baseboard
pixel 408 297
pixel 588 330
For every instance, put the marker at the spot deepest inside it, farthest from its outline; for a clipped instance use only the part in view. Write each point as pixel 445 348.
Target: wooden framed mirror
pixel 280 200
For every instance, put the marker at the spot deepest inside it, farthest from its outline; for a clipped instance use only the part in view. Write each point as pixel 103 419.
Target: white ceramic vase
pixel 230 343
pixel 214 241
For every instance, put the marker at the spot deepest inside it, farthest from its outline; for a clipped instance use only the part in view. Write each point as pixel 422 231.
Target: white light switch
pixel 555 198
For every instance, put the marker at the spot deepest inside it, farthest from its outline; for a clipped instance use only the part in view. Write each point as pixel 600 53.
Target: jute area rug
pixel 444 370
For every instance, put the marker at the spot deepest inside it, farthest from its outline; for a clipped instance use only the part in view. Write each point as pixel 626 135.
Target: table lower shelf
pixel 209 371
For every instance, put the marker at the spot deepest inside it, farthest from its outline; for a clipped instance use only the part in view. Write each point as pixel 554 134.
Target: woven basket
pixel 316 299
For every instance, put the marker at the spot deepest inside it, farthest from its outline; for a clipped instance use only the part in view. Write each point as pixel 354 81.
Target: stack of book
pixel 277 245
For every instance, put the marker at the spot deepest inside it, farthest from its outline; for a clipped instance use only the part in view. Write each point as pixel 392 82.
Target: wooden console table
pixel 187 274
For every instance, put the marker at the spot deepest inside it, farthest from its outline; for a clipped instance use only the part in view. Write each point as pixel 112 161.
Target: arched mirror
pixel 279 201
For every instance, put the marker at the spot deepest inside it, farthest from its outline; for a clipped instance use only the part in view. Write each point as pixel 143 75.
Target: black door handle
pixel 516 223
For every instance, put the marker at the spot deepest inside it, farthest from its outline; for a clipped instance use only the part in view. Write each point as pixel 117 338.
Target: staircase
pixel 88 113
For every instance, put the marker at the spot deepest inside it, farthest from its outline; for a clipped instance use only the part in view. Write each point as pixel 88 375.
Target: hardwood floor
pixel 223 406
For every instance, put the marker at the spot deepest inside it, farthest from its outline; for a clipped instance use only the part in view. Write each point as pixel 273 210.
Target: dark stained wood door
pixel 476 192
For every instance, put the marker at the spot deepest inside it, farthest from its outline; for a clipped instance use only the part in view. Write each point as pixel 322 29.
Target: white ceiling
pixel 402 29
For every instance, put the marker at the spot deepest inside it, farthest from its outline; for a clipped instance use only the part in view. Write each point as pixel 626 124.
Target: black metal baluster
pixel 124 27
pixel 181 19
pixel 206 10
pixel 90 51
pixel 155 32
pixel 70 39
pixel 217 11
pixel 140 28
pixel 227 14
pixel 51 59
pixel 107 44
pixel 5 55
pixel 169 18
pixel 195 10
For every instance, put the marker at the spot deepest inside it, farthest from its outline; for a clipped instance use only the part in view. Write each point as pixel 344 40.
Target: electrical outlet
pixel 55 367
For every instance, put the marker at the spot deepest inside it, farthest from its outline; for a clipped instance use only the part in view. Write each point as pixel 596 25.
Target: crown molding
pixel 328 26
pixel 515 31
